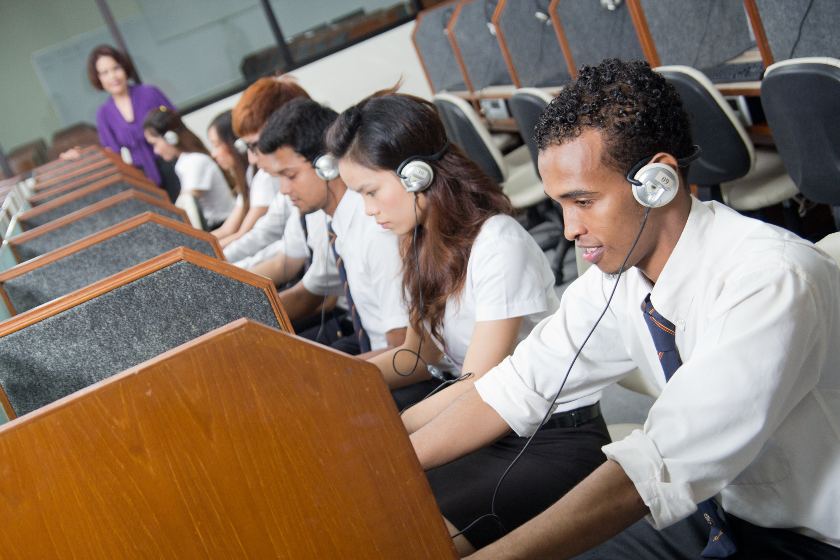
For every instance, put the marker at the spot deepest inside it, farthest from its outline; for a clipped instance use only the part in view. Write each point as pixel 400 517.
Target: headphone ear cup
pixel 656 185
pixel 416 176
pixel 171 137
pixel 326 167
pixel 241 146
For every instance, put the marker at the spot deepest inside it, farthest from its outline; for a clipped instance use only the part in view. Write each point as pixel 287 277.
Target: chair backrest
pixel 726 151
pixel 434 49
pixel 474 39
pixel 703 34
pixel 108 252
pixel 85 196
pixel 831 245
pixel 464 128
pixel 123 320
pixel 89 220
pixel 800 28
pixel 801 100
pixel 529 44
pixel 189 204
pixel 526 106
pixel 594 32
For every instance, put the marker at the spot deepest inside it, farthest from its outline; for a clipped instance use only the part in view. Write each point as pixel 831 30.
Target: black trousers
pixel 686 539
pixel 169 180
pixel 336 331
pixel 556 460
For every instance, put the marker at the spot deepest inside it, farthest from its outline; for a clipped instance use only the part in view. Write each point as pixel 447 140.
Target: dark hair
pixel 163 119
pixel 120 57
pixel 299 124
pixel 380 133
pixel 637 111
pixel 262 98
pixel 224 130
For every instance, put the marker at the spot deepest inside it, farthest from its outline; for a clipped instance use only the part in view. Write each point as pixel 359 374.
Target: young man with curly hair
pixel 735 320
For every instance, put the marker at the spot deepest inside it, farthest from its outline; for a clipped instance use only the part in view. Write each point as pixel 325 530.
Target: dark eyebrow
pixel 575 194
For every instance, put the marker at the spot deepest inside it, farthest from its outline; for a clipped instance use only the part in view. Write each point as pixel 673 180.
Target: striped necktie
pixel 364 341
pixel 720 544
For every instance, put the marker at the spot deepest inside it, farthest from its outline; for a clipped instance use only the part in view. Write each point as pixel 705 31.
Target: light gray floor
pixel 618 405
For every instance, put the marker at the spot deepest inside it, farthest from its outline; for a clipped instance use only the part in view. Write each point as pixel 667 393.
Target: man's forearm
pixel 602 505
pixel 300 302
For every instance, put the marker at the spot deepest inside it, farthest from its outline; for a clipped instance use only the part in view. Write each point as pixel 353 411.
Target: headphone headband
pixel 681 162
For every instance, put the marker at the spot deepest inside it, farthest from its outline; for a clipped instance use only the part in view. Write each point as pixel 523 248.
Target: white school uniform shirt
pixel 261 190
pixel 507 276
pixel 321 278
pixel 753 413
pixel 198 172
pixel 267 230
pixel 374 268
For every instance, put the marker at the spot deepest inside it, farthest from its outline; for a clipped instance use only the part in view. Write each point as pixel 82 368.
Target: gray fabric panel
pixel 480 48
pixel 88 225
pixel 698 33
pixel 533 44
pixel 436 51
pixel 783 18
pixel 120 329
pixel 74 189
pixel 78 204
pixel 96 262
pixel 75 177
pixel 595 33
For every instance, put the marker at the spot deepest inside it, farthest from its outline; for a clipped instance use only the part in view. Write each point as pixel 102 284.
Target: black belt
pixel 574 418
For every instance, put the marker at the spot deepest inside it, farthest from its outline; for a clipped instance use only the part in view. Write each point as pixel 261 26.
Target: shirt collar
pixel 674 290
pixel 346 210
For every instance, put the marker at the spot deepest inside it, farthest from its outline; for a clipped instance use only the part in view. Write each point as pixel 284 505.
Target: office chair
pixel 189 204
pixel 831 245
pixel 801 99
pixel 729 166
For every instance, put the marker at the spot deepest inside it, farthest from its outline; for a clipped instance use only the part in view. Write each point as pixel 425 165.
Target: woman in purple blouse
pixel 120 119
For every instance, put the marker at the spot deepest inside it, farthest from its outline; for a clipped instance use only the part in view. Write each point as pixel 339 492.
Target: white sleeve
pixel 196 173
pixel 756 360
pixel 510 278
pixel 385 276
pixel 268 229
pixel 262 189
pixel 521 387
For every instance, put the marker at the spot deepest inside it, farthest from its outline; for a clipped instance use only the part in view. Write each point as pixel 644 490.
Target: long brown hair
pixel 224 130
pixel 381 132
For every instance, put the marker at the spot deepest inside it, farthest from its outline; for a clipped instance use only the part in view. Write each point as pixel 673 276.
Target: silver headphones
pixel 656 184
pixel 326 167
pixel 415 173
pixel 171 137
pixel 240 146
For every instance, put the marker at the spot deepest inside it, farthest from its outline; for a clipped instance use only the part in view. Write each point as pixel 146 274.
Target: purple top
pixel 115 132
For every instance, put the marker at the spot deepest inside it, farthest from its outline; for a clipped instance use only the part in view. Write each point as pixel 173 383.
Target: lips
pixel 592 254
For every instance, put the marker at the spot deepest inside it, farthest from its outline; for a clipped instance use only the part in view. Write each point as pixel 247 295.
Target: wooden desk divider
pixel 116 323
pixel 89 220
pixel 106 172
pixel 97 256
pixel 85 196
pixel 529 44
pixel 244 443
pixel 589 32
pixel 435 51
pixel 59 166
pixel 65 174
pixel 476 47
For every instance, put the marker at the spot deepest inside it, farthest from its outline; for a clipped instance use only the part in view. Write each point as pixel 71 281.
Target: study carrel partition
pixel 244 443
pixel 97 256
pixel 120 321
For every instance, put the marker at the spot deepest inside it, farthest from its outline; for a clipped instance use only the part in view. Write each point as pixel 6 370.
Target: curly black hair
pixel 637 111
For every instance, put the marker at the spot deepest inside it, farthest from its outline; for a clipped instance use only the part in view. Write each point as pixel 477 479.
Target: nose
pixel 370 208
pixel 573 227
pixel 285 188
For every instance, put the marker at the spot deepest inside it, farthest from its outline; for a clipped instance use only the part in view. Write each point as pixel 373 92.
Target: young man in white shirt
pixel 250 114
pixel 361 263
pixel 741 318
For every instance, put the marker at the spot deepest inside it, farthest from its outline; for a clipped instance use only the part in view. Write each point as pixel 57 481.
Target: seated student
pixel 253 194
pixel 250 114
pixel 475 280
pixel 199 175
pixel 338 232
pixel 736 320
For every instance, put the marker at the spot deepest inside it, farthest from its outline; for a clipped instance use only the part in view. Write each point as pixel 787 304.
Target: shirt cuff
pixel 503 390
pixel 638 456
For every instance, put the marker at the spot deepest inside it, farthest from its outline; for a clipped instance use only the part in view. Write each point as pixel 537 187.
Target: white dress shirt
pixel 262 188
pixel 507 276
pixel 374 268
pixel 266 231
pixel 321 278
pixel 753 413
pixel 198 172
